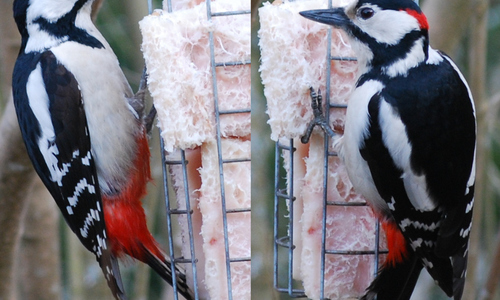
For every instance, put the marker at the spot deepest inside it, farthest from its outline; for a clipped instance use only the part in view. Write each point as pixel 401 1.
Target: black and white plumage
pixel 84 131
pixel 409 144
pixel 54 126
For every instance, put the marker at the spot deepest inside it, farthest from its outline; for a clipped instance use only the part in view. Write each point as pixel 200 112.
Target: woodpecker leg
pixel 137 102
pixel 319 117
pixel 149 119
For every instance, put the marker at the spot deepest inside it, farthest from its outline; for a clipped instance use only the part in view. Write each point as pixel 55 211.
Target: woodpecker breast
pixel 112 125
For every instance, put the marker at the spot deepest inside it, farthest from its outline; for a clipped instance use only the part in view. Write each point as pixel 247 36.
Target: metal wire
pixel 170 213
pixel 284 195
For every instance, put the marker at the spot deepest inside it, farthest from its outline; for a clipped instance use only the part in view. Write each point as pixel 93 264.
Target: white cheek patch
pixel 387 26
pixel 48 9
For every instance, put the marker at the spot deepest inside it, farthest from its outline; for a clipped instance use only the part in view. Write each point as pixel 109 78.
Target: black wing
pixel 54 126
pixel 388 179
pixel 439 124
pixel 441 128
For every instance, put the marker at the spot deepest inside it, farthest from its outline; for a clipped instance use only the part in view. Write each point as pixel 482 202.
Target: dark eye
pixel 366 13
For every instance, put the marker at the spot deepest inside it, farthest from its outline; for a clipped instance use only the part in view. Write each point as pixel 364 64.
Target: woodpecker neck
pixel 398 59
pixel 417 54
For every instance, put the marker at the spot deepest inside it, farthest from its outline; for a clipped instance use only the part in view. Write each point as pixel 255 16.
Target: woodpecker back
pixel 409 143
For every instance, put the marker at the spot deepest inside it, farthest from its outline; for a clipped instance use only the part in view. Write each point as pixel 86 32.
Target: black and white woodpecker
pixel 85 132
pixel 409 144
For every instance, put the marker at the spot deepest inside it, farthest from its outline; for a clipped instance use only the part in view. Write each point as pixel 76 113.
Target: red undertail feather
pixel 396 244
pixel 124 215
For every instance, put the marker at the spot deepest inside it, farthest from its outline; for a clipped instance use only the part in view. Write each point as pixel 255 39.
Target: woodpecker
pixel 85 133
pixel 409 144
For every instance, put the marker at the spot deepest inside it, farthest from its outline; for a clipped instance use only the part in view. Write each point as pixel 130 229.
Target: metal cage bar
pixel 171 212
pixel 287 195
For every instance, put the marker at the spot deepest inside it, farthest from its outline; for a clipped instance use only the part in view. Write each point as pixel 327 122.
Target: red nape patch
pixel 421 18
pixel 396 244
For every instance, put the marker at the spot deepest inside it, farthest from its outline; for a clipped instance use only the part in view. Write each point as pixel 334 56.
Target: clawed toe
pixel 319 117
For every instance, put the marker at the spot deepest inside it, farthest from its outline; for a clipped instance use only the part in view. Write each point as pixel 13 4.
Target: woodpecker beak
pixel 335 17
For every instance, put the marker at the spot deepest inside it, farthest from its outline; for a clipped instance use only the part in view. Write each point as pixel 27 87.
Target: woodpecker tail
pixel 395 282
pixel 126 221
pixel 128 234
pixel 459 267
pixel 397 278
pixel 163 268
pixel 399 274
pixel 111 270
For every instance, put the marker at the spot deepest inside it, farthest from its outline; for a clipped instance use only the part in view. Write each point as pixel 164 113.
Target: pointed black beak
pixel 335 17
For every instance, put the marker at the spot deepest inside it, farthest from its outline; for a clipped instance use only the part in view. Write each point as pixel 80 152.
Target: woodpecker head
pixel 381 31
pixel 47 23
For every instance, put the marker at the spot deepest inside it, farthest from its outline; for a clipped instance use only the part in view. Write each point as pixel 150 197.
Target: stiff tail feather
pixel 111 270
pixel 163 268
pixel 395 282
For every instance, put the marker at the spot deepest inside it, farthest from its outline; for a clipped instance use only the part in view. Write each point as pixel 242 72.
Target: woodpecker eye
pixel 366 13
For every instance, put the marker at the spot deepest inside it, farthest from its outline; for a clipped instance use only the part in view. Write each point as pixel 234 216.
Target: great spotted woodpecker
pixel 85 133
pixel 408 144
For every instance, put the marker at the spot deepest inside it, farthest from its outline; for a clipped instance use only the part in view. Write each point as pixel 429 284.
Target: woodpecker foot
pixel 137 102
pixel 319 117
pixel 149 119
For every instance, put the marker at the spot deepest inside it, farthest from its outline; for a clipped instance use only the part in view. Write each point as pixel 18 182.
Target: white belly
pixel 111 124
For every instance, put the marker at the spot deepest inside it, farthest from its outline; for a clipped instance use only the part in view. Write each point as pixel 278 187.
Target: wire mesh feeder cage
pixel 185 216
pixel 285 246
pixel 292 228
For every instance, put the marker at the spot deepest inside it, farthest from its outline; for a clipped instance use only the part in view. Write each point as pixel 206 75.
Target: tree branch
pixel 16 175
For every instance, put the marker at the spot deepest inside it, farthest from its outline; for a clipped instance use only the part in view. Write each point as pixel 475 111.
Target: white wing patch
pixel 356 131
pixel 39 104
pixel 396 140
